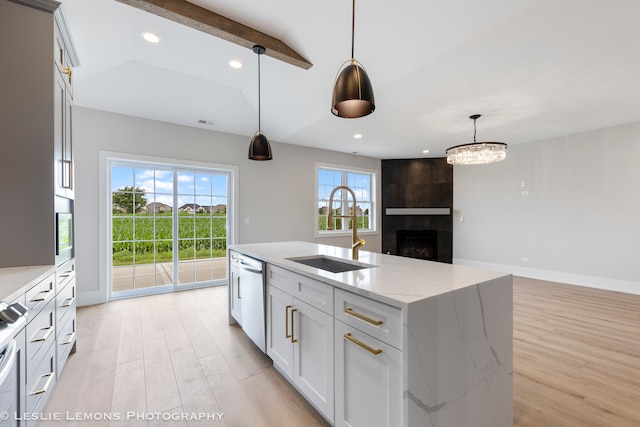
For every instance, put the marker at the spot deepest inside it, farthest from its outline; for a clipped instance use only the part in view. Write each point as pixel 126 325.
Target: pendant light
pixel 259 149
pixel 477 153
pixel 352 91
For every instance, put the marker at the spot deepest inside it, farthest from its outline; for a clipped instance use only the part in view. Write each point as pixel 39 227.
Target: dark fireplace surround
pixel 418 183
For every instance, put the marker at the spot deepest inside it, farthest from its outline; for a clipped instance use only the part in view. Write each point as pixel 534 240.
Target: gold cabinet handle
pixel 45 336
pixel 286 322
pixel 363 345
pixel 363 317
pixel 67 175
pixel 67 303
pixel 41 296
pixel 72 336
pixel 239 297
pixel 293 339
pixel 49 376
pixel 66 70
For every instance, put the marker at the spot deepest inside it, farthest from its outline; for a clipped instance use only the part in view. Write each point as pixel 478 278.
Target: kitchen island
pixel 396 342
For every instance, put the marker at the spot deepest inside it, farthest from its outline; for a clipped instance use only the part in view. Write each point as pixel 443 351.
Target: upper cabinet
pixel 63 52
pixel 36 178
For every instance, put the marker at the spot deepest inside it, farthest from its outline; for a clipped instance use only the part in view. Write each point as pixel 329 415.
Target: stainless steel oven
pixel 12 322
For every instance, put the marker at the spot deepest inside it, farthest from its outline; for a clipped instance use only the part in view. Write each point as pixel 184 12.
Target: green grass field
pixel 200 236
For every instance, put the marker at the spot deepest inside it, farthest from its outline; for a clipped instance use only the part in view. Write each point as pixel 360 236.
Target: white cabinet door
pixel 279 342
pixel 312 331
pixel 368 385
pixel 59 125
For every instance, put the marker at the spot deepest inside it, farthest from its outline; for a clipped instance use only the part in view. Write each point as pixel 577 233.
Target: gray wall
pixel 277 196
pixel 579 223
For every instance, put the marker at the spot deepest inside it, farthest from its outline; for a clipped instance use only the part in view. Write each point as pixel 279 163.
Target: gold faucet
pixel 354 220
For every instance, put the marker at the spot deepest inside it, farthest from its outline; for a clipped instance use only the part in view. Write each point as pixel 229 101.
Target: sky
pixel 200 187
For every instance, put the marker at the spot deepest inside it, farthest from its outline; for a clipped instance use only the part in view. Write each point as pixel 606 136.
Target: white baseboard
pixel 605 283
pixel 90 298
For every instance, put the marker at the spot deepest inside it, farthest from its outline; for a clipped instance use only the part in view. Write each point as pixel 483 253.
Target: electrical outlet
pixel 524 259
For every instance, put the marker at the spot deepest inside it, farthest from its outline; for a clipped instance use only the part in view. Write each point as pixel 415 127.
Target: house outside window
pixel 363 184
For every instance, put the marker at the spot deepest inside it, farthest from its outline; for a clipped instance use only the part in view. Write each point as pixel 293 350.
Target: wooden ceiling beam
pixel 199 18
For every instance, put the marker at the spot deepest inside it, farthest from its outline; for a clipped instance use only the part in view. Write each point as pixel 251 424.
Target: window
pixel 363 185
pixel 168 226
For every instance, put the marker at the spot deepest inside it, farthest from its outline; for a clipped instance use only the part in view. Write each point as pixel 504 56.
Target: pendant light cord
pixel 259 121
pixel 353 28
pixel 474 130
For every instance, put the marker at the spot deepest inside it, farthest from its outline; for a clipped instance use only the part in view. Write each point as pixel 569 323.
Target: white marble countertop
pixel 15 281
pixel 395 280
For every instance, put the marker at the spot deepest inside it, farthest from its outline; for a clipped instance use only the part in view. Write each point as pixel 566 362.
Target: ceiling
pixel 534 69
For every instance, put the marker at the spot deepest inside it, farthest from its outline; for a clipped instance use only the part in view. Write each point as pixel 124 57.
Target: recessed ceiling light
pixel 357 136
pixel 235 63
pixel 425 151
pixel 151 38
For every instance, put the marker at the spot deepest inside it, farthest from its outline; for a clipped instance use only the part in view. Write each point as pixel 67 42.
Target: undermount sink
pixel 334 265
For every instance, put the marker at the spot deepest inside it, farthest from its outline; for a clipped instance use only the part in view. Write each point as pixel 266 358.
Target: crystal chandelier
pixel 476 153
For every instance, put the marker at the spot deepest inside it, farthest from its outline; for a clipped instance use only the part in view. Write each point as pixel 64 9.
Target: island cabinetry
pixel 235 306
pixel 415 343
pixel 368 371
pixel 300 335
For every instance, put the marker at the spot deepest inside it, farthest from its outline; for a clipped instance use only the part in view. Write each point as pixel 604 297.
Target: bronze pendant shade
pixel 352 90
pixel 259 148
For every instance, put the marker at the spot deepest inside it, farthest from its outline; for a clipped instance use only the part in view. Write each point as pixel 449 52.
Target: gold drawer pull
pixel 67 303
pixel 363 317
pixel 40 297
pixel 72 336
pixel 49 376
pixel 286 322
pixel 361 344
pixel 45 336
pixel 66 70
pixel 293 339
pixel 67 175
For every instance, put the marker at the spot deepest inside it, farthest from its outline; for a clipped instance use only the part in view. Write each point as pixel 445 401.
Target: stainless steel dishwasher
pixel 251 292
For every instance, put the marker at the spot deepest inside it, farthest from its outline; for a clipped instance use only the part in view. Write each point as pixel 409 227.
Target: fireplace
pixel 422 244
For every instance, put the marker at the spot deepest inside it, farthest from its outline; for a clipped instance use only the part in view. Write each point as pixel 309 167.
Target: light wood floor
pixel 576 363
pixel 576 356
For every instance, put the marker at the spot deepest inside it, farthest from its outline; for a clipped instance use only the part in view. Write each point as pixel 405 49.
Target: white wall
pixel 580 222
pixel 277 196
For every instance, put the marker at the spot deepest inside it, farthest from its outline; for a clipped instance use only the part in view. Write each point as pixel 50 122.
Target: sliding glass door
pixel 169 227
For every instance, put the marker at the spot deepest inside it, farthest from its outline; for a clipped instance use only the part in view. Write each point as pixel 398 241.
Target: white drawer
pixel 65 273
pixel 313 292
pixel 41 377
pixel 280 278
pixel 65 342
pixel 66 301
pixel 41 333
pixel 39 295
pixel 379 320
